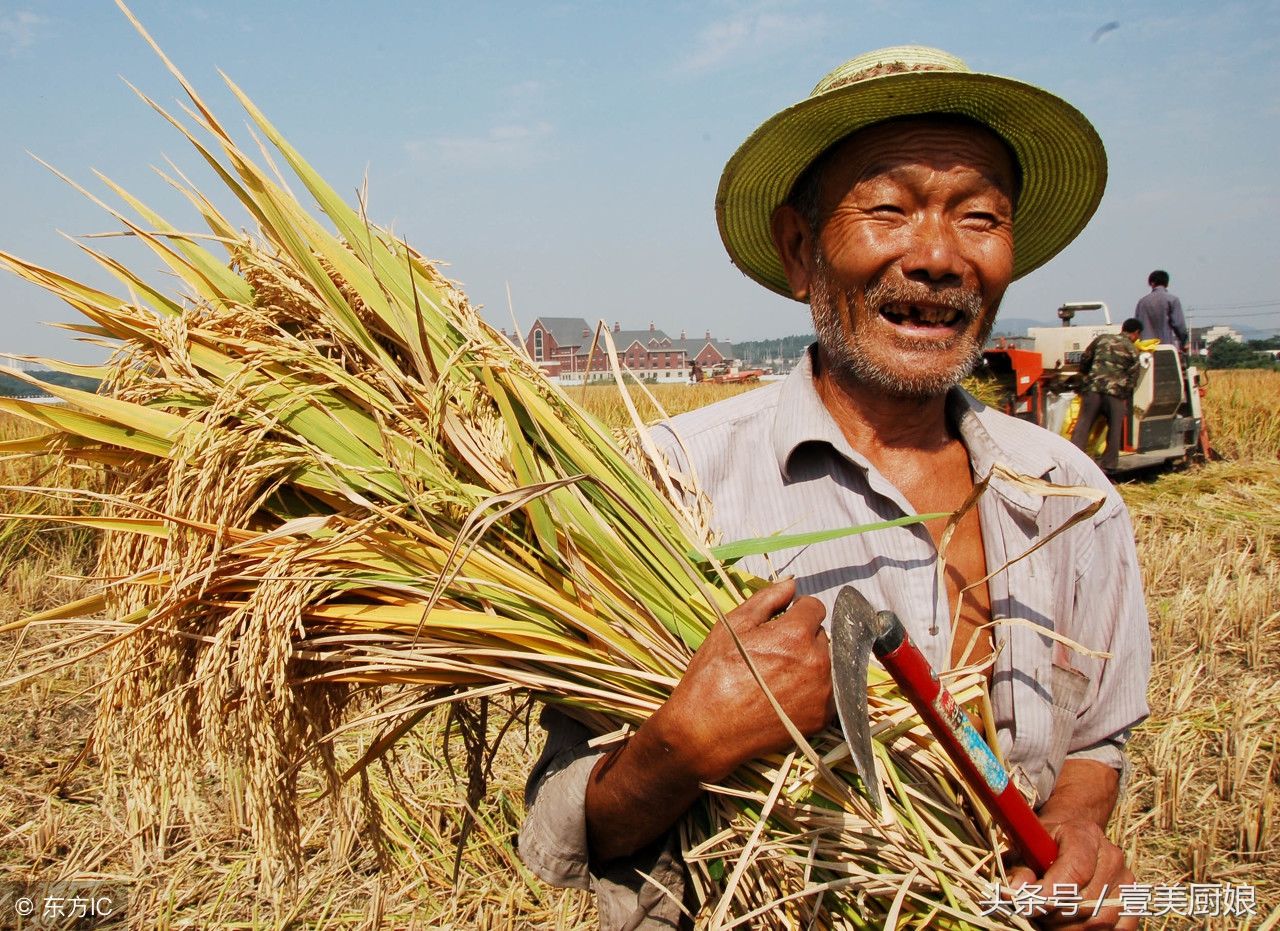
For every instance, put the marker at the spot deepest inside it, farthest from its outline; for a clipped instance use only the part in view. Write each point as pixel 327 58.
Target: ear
pixel 794 239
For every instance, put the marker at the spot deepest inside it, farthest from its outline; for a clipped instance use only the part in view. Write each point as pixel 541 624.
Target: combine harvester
pixel 1039 384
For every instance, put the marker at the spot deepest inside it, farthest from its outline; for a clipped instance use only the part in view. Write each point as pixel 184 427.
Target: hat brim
pixel 1062 160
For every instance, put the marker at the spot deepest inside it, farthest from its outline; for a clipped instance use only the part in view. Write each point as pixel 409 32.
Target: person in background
pixel 1110 368
pixel 1160 313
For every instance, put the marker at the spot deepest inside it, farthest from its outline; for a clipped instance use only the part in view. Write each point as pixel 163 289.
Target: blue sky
pixel 571 150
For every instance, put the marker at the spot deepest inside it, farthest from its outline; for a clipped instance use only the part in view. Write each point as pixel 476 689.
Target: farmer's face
pixel 914 252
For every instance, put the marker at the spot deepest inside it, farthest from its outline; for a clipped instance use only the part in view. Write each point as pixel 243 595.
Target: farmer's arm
pixel 1086 792
pixel 646 886
pixel 716 719
pixel 569 803
pixel 1089 864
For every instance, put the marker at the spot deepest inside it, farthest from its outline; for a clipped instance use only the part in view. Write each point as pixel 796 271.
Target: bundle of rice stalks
pixel 333 489
pixel 65 545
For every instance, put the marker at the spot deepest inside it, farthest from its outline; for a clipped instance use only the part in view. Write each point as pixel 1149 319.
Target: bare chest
pixel 942 483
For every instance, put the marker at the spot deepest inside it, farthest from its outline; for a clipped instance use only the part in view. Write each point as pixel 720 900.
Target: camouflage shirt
pixel 1110 365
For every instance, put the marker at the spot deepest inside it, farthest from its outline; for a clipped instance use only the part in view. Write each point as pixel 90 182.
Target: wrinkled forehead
pixel 940 141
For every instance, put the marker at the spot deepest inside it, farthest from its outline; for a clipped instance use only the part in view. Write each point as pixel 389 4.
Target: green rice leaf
pixel 757 546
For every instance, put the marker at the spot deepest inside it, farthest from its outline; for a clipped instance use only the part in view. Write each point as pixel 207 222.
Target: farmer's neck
pixel 876 421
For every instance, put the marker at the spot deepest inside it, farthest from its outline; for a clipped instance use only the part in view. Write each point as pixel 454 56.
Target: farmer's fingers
pixel 763 605
pixel 807 614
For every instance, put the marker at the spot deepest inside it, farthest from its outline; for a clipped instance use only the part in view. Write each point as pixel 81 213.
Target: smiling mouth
pixel 922 315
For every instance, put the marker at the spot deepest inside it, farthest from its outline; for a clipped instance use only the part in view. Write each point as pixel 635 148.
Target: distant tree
pixel 1228 353
pixel 68 381
pixel 765 351
pixel 1270 342
pixel 11 387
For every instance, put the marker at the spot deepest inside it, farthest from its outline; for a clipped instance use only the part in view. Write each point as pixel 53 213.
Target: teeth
pixel 934 314
pixel 927 315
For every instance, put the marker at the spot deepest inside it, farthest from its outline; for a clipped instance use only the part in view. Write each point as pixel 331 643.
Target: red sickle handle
pixel 949 723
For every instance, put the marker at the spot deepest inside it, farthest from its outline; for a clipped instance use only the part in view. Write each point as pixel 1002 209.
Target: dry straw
pixel 335 492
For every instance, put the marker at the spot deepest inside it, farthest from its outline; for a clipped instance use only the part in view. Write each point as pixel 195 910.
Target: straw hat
pixel 1063 164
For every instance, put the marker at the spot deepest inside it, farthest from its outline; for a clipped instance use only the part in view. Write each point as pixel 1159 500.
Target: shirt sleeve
pixel 643 891
pixel 1086 357
pixel 1109 591
pixel 1135 370
pixel 1176 320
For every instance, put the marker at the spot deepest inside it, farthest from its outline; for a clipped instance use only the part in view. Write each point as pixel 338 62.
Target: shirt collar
pixel 801 417
pixel 990 441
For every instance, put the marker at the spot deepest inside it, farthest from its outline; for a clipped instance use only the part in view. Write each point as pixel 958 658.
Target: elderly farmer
pixel 899 200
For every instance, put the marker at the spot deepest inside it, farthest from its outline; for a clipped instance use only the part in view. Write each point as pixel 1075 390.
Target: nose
pixel 933 254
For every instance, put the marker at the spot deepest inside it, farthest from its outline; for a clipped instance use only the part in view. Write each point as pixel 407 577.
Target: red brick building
pixel 562 345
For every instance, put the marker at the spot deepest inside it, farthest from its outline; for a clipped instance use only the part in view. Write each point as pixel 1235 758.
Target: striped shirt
pixel 774 460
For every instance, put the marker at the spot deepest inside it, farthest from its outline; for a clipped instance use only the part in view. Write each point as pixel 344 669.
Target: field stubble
pixel 1202 805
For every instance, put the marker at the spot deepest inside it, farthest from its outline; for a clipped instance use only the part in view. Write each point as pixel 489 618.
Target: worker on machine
pixel 1109 367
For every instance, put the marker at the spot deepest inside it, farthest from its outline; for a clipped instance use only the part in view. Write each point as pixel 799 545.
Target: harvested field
pixel 1204 799
pixel 1202 805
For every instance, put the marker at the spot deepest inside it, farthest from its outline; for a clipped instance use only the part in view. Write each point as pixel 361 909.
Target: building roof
pixel 692 347
pixel 567 331
pixel 649 339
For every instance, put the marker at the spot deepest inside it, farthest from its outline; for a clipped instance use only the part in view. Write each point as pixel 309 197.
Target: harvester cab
pixel 1037 378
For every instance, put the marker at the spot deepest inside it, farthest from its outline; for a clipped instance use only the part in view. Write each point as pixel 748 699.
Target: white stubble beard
pixel 850 355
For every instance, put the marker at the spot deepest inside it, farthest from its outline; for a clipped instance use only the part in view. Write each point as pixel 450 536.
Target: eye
pixel 981 219
pixel 887 208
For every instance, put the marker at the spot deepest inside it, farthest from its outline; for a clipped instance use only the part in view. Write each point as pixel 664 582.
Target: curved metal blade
pixel 853 628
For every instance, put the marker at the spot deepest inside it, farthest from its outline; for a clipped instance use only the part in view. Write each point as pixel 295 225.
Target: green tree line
pixel 766 351
pixel 1228 353
pixel 11 387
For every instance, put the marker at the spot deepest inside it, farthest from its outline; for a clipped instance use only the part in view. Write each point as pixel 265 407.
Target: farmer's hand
pixel 716 719
pixel 720 712
pixel 1089 867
